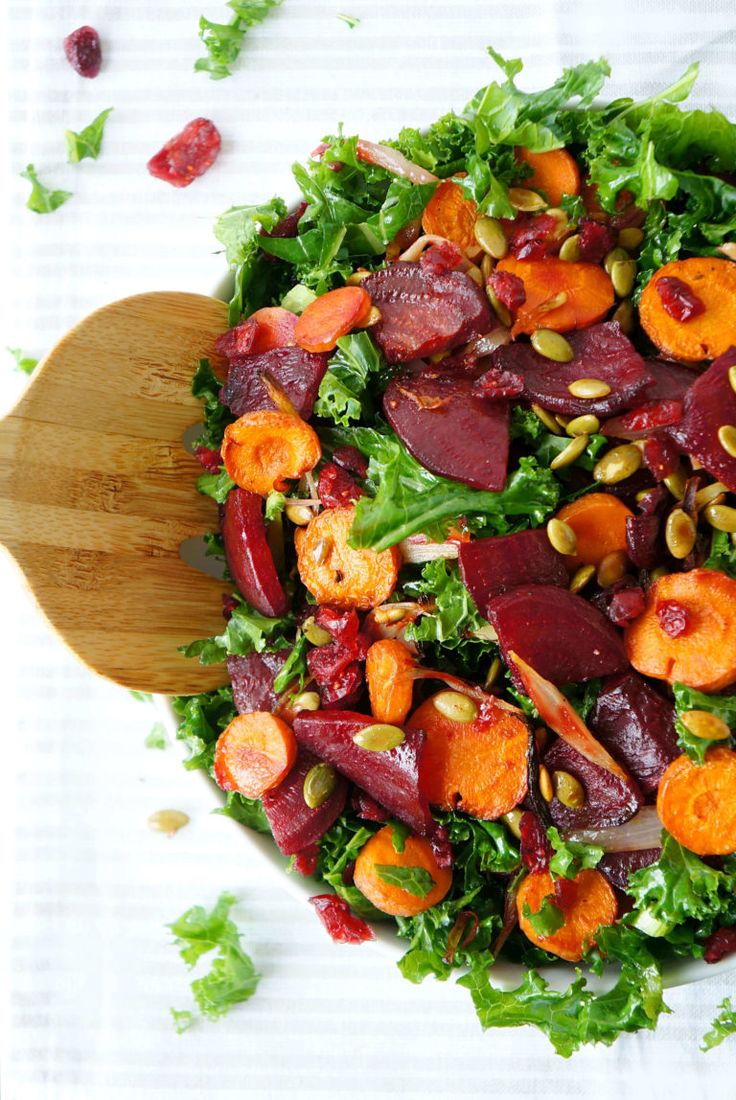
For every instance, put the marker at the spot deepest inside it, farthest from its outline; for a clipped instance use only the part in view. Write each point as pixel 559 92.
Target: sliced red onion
pixel 383 156
pixel 644 830
pixel 415 552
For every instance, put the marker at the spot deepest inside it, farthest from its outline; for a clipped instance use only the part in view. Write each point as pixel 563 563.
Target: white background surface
pixel 87 974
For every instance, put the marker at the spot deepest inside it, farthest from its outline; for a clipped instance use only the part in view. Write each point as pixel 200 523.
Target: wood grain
pixel 97 491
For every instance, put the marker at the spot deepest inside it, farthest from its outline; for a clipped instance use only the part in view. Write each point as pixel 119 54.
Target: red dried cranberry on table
pixel 340 921
pixel 188 154
pixel 83 51
pixel 678 299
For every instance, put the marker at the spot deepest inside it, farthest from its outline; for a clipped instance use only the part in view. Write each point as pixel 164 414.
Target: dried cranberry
pixel 565 892
pixel 340 921
pixel 674 617
pixel 509 289
pixel 531 236
pixel 648 418
pixel 678 299
pixel 367 807
pixel 500 383
pixel 229 603
pixel 626 605
pixel 439 258
pixel 209 459
pixel 351 460
pixel 596 240
pixel 238 341
pixel 305 862
pixel 536 851
pixel 188 154
pixel 335 487
pixel 441 847
pixel 720 943
pixel 344 690
pixel 661 456
pixel 83 51
pixel 288 226
pixel 344 627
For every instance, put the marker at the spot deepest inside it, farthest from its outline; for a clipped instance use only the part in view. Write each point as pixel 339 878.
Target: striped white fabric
pixel 87 976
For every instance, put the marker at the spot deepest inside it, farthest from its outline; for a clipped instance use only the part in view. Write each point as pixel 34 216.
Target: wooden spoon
pixel 97 491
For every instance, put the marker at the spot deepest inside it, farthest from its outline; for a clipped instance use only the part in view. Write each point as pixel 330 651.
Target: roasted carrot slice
pixel 450 214
pixel 275 329
pixel 697 803
pixel 477 766
pixel 587 288
pixel 587 904
pixel 334 572
pixel 263 450
pixel 554 173
pixel 705 335
pixel 389 672
pixel 400 883
pixel 254 753
pixel 599 523
pixel 703 655
pixel 331 316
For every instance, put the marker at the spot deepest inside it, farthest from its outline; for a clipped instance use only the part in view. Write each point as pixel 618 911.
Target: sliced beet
pixel 608 799
pixel 449 428
pixel 294 825
pixel 423 312
pixel 563 637
pixel 491 566
pixel 645 419
pixel 709 404
pixel 637 726
pixel 617 866
pixel 248 554
pixel 298 372
pixel 645 543
pixel 390 777
pixel 601 352
pixel 252 678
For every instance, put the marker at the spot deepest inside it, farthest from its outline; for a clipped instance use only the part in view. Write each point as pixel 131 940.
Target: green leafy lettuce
pixel 206 387
pixel 246 631
pixel 417 881
pixel 723 1026
pixel 224 41
pixel 254 279
pixel 722 706
pixel 23 362
pixel 42 200
pixel 156 737
pixel 88 142
pixel 571 856
pixel 343 392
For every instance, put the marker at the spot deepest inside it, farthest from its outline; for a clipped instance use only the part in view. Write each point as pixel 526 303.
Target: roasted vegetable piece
pixel 450 214
pixel 331 316
pixel 608 799
pixel 341 923
pixel 294 824
pixel 587 288
pixel 389 671
pixel 425 883
pixel 248 554
pixel 298 372
pixel 705 334
pixel 697 803
pixel 599 523
pixel 252 678
pixel 554 173
pixel 709 410
pixel 253 754
pixel 491 566
pixel 617 866
pixel 263 450
pixel 590 905
pixel 637 726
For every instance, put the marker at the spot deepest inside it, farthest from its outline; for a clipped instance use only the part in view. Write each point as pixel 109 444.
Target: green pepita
pixel 568 790
pixel 456 706
pixel 523 199
pixel 299 514
pixel 589 389
pixel 552 345
pixel 570 249
pixel 587 424
pixel 306 700
pixel 561 536
pixel 623 273
pixel 547 419
pixel 319 783
pixel 625 314
pixel 617 464
pixel 571 453
pixel 721 517
pixel 379 737
pixel 614 256
pixel 679 533
pixel 611 568
pixel 727 439
pixel 581 577
pixel 703 724
pixel 630 238
pixel 498 307
pixel 314 633
pixel 490 236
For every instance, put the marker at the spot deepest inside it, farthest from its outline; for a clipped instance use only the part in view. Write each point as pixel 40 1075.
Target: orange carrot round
pixel 587 904
pixel 334 572
pixel 254 753
pixel 275 329
pixel 704 655
pixel 588 290
pixel 599 523
pixel 697 803
pixel 380 855
pixel 389 673
pixel 449 213
pixel 555 173
pixel 265 449
pixel 479 766
pixel 710 333
pixel 331 316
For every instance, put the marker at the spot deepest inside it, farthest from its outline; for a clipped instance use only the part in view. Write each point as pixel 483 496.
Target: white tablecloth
pixel 88 975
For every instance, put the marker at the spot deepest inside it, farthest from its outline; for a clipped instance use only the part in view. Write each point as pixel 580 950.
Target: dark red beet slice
pixel 248 555
pixel 661 404
pixel 637 726
pixel 449 429
pixel 391 778
pixel 617 866
pixel 423 313
pixel 710 403
pixel 294 825
pixel 671 380
pixel 339 920
pixel 601 352
pixel 608 799
pixel 562 636
pixel 491 566
pixel 252 678
pixel 298 372
pixel 83 51
pixel 536 850
pixel 188 154
pixel 644 532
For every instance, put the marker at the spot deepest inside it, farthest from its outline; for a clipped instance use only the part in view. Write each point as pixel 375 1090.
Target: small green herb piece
pixel 183 1019
pixel 275 504
pixel 88 142
pixel 22 361
pixel 415 880
pixel 247 631
pixel 216 486
pixel 547 920
pixel 351 20
pixel 41 199
pixel 342 391
pixel 232 977
pixel 399 833
pixel 141 696
pixel 571 856
pixel 723 1026
pixel 294 668
pixel 157 738
pixel 206 387
pixel 224 41
pixel 722 706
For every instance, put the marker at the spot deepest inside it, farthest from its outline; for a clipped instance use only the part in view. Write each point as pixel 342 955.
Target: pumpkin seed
pixel 299 514
pixel 614 256
pixel 721 517
pixel 709 494
pixel 492 674
pixel 623 273
pixel 728 249
pixel 587 424
pixel 676 482
pixel 456 706
pixel 513 821
pixel 563 421
pixel 379 737
pixel 487 265
pixel 561 536
pixel 679 533
pixel 314 633
pixel 703 724
pixel 374 316
pixel 581 577
pixel 498 307
pixel 552 345
pixel 552 303
pixel 357 277
pixel 626 316
pixel 630 238
pixel 475 274
pixel 570 249
pixel 611 568
pixel 727 439
pixel 307 700
pixel 523 199
pixel 490 236
pixel 389 614
pixel 547 419
pixel 319 783
pixel 545 784
pixel 568 790
pixel 732 377
pixel 322 550
pixel 168 821
pixel 657 574
pixel 589 388
pixel 617 464
pixel 571 453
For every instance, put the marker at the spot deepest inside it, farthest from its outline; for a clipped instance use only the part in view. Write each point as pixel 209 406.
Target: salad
pixel 473 437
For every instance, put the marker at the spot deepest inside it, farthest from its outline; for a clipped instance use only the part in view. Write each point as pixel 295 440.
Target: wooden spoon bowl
pixel 97 491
